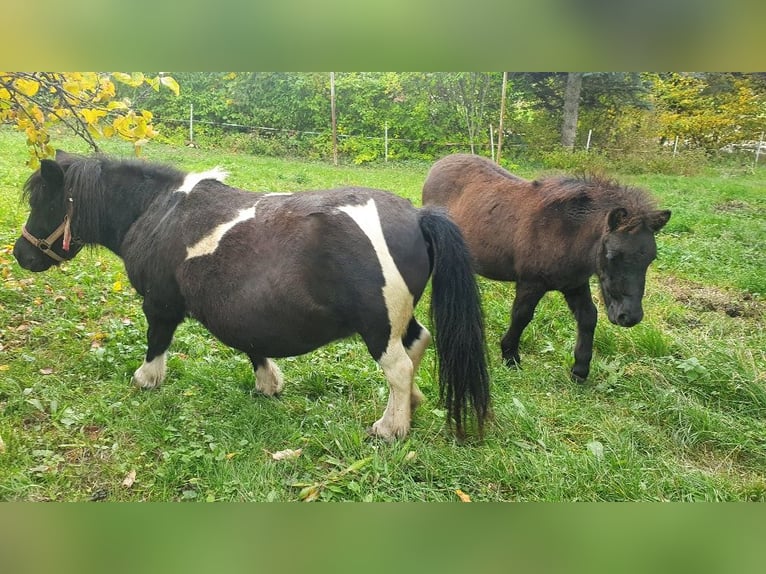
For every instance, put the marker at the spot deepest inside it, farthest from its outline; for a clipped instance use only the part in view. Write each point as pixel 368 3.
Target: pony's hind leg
pixel 159 334
pixel 397 366
pixel 524 304
pixel 268 377
pixel 416 341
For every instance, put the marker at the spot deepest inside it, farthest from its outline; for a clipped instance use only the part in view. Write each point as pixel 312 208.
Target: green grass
pixel 674 408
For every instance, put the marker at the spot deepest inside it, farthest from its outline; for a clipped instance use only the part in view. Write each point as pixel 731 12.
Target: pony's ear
pixel 616 218
pixel 61 155
pixel 656 220
pixel 52 173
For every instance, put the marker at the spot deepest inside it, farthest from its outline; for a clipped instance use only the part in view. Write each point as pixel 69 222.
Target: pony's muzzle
pixel 30 257
pixel 625 317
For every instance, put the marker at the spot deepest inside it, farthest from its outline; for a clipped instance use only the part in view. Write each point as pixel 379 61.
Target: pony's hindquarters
pixel 457 321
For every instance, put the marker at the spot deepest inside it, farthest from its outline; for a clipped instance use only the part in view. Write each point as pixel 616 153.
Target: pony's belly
pixel 275 336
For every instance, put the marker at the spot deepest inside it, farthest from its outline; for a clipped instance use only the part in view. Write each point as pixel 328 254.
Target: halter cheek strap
pixel 45 245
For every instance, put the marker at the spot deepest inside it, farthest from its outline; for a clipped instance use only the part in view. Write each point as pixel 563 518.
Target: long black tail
pixel 457 321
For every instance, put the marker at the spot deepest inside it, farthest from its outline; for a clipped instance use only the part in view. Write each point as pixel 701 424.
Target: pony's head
pixel 46 238
pixel 625 252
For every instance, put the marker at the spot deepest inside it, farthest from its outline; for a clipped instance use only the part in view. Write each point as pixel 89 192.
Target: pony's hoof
pixel 143 382
pixel 579 375
pixel 383 432
pixel 151 374
pixel 512 361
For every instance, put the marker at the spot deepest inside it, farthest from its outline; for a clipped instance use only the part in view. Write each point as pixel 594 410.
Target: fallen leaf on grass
pixel 129 479
pixel 46 371
pixel 462 496
pixel 2 445
pixel 310 493
pixel 596 449
pixel 285 454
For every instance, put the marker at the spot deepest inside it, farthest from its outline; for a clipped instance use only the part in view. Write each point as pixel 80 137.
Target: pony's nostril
pixel 622 319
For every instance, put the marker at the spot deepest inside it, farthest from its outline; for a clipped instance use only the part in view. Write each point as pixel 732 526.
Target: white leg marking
pixel 268 379
pixel 193 179
pixel 397 366
pixel 151 374
pixel 416 352
pixel 209 243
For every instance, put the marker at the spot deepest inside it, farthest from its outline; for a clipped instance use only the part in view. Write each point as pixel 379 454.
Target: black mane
pixel 596 194
pixel 94 184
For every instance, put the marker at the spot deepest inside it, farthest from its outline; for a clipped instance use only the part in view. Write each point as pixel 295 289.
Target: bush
pixel 575 161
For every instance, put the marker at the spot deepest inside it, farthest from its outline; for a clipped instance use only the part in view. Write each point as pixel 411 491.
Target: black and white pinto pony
pixel 273 274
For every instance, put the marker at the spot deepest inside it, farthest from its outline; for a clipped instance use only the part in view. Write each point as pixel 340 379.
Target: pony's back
pixel 450 175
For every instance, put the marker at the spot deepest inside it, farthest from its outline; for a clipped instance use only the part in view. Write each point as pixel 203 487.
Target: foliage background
pixel 634 118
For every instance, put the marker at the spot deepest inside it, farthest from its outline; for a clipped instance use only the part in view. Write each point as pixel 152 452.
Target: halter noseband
pixel 46 245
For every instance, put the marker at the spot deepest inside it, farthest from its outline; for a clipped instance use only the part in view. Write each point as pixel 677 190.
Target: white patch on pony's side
pixel 268 379
pixel 192 179
pixel 399 300
pixel 151 374
pixel 273 193
pixel 210 242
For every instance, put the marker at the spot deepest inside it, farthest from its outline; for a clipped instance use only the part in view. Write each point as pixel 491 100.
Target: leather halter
pixel 46 245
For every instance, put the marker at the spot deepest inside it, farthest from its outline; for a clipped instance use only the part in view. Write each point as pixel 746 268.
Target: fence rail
pixel 757 145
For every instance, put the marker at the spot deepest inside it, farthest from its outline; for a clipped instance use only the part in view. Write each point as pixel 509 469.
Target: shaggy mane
pixel 591 193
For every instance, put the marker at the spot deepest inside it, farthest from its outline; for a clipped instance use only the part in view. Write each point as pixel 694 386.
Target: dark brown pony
pixel 552 235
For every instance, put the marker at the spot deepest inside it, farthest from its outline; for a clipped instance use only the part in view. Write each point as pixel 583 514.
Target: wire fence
pixel 486 144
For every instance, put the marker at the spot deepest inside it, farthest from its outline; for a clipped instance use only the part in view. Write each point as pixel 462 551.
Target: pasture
pixel 673 409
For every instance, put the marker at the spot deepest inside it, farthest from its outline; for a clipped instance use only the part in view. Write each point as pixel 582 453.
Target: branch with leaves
pixel 85 102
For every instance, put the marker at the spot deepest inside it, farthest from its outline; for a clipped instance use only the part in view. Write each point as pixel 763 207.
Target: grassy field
pixel 674 409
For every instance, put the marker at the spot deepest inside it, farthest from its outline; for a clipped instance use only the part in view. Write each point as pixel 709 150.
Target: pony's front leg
pixel 397 366
pixel 158 336
pixel 524 304
pixel 585 313
pixel 268 377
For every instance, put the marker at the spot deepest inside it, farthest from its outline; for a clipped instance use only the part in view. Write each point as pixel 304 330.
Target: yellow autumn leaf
pixel 117 105
pixel 91 116
pixel 26 86
pixel 122 77
pixel 462 496
pixel 117 286
pixel 171 84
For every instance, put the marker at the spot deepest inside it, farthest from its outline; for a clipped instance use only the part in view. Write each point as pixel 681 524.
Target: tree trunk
pixel 332 119
pixel 571 109
pixel 502 116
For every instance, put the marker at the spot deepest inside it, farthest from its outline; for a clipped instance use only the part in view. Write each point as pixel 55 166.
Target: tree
pixel 85 102
pixel 710 110
pixel 571 109
pixel 549 115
